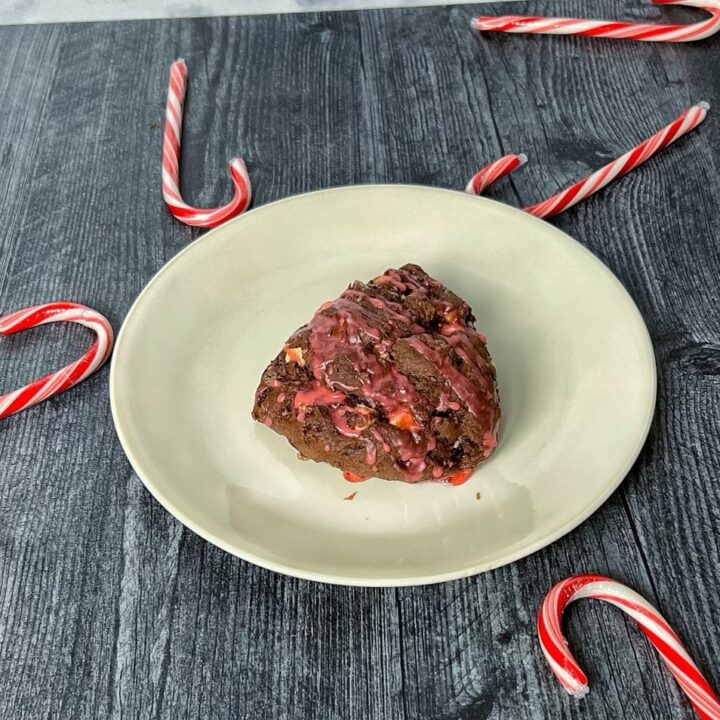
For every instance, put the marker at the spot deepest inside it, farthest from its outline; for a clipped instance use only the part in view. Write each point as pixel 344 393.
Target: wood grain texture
pixel 108 606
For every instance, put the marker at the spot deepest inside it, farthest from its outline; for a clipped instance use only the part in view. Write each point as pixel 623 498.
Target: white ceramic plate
pixel 575 368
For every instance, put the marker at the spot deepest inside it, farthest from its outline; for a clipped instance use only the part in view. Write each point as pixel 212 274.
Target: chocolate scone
pixel 390 380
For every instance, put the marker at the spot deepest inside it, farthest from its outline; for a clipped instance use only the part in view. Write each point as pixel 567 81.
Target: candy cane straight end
pixel 561 661
pixel 688 120
pixel 74 373
pixel 181 66
pixel 199 217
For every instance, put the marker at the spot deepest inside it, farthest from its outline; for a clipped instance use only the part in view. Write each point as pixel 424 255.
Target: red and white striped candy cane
pixel 494 171
pixel 200 217
pixel 582 189
pixel 68 376
pixel 661 635
pixel 646 32
pixel 588 186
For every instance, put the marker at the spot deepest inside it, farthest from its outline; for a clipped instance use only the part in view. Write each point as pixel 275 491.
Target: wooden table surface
pixel 108 606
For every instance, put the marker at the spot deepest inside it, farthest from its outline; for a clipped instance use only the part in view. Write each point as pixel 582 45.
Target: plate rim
pixel 350 580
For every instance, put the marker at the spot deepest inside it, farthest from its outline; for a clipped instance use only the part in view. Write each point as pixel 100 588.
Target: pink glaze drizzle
pixel 392 277
pixel 370 452
pixel 460 477
pixel 467 351
pixel 445 403
pixel 490 440
pixel 339 417
pixel 450 328
pixel 318 394
pixel 348 329
pixel 353 478
pixel 381 440
pixel 352 328
pixel 463 388
pixel 394 310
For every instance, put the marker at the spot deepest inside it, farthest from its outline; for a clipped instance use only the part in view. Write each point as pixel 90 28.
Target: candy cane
pixel 70 375
pixel 494 171
pixel 200 217
pixel 582 189
pixel 661 635
pixel 646 32
pixel 588 186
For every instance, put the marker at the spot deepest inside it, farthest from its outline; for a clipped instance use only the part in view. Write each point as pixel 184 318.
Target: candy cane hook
pixel 646 32
pixel 661 635
pixel 494 171
pixel 200 217
pixel 54 383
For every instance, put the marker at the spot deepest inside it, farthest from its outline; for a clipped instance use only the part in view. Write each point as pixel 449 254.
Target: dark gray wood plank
pixel 29 63
pixel 108 607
